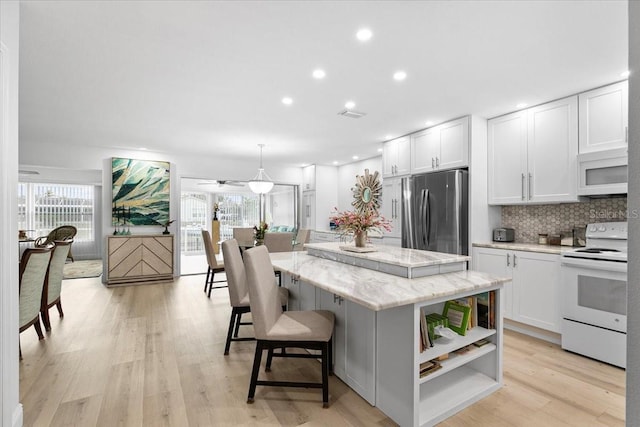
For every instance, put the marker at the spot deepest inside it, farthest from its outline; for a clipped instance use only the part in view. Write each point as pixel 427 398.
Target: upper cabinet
pixel 604 118
pixel 445 146
pixel 396 157
pixel 309 178
pixel 532 155
pixel 391 207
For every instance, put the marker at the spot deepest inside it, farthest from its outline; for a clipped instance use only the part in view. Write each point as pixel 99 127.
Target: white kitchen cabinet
pixel 318 203
pixel 534 295
pixel 445 146
pixel 532 155
pixel 604 118
pixel 354 343
pixel 396 157
pixel 391 207
pixel 302 296
pixel 309 178
pixel 308 213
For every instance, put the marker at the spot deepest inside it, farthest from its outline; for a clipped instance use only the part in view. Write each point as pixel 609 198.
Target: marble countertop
pixel 393 255
pixel 528 247
pixel 376 290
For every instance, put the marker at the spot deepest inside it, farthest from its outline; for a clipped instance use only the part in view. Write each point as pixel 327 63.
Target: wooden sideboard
pixel 139 259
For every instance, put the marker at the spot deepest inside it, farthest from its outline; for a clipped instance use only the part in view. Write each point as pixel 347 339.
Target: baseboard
pixel 16 420
pixel 532 331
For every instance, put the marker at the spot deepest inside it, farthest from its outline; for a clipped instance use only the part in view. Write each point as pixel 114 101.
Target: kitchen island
pixel 377 336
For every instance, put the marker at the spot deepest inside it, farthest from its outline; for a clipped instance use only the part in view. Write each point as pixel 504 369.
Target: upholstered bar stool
pixel 274 328
pixel 239 292
pixel 214 265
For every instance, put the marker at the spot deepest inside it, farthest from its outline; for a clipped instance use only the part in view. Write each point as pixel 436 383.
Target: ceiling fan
pixel 221 182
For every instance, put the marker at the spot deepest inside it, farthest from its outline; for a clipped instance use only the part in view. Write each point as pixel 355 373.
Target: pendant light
pixel 261 184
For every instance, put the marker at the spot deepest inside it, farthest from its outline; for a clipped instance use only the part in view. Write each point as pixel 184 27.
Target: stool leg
pixel 254 373
pixel 235 332
pixel 325 375
pixel 231 324
pixel 38 329
pixel 206 280
pixel 211 284
pixel 269 359
pixel 59 307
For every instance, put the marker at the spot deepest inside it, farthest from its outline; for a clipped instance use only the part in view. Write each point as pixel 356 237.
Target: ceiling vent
pixel 351 113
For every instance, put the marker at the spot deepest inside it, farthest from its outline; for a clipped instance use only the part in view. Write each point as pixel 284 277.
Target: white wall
pixel 347 179
pixel 10 407
pixel 633 286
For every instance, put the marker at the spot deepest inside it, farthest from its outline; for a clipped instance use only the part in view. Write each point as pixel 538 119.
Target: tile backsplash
pixel 531 220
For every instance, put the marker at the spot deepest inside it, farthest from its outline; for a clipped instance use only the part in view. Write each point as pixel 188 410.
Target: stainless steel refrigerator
pixel 435 212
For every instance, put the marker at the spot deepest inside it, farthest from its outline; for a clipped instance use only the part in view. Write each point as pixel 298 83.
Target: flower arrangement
pixel 260 230
pixel 350 222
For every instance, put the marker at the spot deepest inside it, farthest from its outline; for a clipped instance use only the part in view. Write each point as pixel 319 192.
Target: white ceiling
pixel 204 78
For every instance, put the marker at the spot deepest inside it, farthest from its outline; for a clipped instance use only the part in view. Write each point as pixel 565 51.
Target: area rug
pixel 83 269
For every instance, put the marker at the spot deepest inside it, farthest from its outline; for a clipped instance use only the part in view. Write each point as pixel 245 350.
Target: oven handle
pixel 594 265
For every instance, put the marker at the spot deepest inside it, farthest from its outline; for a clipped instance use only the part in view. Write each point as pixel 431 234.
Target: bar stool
pixel 312 330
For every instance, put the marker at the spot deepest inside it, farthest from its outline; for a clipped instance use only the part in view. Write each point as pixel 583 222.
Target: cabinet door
pixel 536 290
pixel 552 152
pixel 403 165
pixel 494 261
pixel 604 118
pixel 392 204
pixel 328 301
pixel 360 341
pixel 308 213
pixel 307 296
pixel 309 178
pixel 454 144
pixel 507 159
pixel 293 286
pixel 426 149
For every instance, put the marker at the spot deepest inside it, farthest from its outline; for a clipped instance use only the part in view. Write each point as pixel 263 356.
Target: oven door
pixel 595 292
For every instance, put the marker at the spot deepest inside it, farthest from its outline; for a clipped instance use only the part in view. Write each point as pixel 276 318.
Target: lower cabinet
pixel 354 343
pixel 533 298
pixel 139 259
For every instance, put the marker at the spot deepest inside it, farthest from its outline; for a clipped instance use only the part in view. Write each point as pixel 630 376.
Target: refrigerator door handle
pixel 426 217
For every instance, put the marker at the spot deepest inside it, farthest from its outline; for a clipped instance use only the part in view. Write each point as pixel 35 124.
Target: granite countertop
pixel 527 247
pixel 393 255
pixel 376 290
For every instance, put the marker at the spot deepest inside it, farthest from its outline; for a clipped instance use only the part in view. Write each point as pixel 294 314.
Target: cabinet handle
pixel 626 134
pixel 522 186
pixel 337 299
pixel 514 260
pixel 437 162
pixel 393 208
pixel 508 263
pixel 530 180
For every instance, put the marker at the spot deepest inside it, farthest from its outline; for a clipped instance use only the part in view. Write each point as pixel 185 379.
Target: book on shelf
pixel 458 316
pixel 483 310
pixel 472 303
pixel 492 309
pixel 433 320
pixel 428 367
pixel 424 335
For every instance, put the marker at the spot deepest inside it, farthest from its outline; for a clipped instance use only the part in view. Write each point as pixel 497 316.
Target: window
pixel 45 206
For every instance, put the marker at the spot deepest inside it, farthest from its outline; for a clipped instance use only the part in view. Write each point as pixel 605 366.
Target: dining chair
pixel 63 232
pixel 214 266
pixel 53 283
pixel 312 330
pixel 243 234
pixel 302 237
pixel 33 271
pixel 278 242
pixel 239 292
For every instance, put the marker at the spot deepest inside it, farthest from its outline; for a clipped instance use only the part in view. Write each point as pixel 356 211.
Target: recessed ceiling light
pixel 142 148
pixel 429 123
pixel 399 75
pixel 304 165
pixel 379 150
pixel 387 137
pixel 521 105
pixel 287 101
pixel 355 157
pixel 349 104
pixel 319 74
pixel 364 34
pixel 625 74
pixel 335 162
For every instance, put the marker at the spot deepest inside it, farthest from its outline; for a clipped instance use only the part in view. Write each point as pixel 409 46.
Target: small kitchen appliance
pixel 503 234
pixel 594 291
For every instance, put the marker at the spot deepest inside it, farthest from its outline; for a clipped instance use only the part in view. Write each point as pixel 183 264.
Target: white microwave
pixel 603 172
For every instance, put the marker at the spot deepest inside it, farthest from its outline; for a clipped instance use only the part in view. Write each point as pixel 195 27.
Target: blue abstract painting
pixel 140 192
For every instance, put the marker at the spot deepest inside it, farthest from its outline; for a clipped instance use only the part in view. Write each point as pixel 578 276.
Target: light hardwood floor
pixel 151 355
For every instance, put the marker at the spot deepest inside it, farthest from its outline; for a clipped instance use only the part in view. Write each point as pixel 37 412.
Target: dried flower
pixel 354 222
